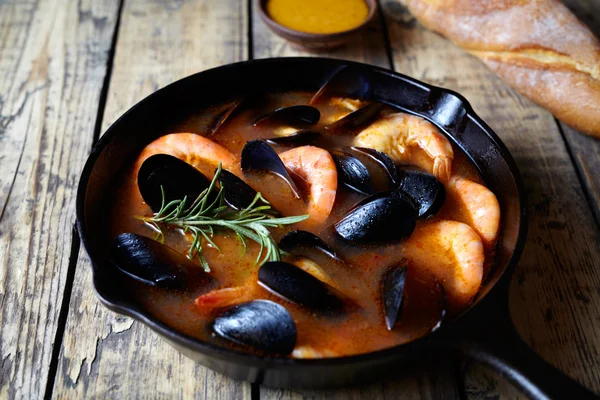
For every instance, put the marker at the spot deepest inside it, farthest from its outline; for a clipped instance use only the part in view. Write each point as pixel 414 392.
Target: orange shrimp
pixel 412 140
pixel 481 206
pixel 316 168
pixel 222 298
pixel 453 253
pixel 308 351
pixel 196 150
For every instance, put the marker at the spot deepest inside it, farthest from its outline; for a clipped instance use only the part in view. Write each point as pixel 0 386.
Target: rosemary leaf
pixel 204 218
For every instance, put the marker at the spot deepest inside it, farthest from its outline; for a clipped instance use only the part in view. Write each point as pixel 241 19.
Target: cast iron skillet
pixel 484 332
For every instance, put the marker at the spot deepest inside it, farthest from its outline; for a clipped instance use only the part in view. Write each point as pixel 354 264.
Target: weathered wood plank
pixel 586 150
pixel 52 64
pixel 555 294
pixel 433 383
pixel 104 354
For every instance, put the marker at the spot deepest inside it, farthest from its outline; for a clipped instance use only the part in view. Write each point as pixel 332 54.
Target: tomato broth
pixel 359 330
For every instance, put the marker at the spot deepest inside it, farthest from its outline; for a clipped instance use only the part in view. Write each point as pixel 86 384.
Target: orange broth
pixel 361 331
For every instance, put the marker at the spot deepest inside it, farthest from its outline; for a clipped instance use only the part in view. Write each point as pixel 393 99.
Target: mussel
pixel 381 159
pixel 412 299
pixel 308 245
pixel 260 324
pixel 392 294
pixel 423 189
pixel 224 116
pixel 353 173
pixel 294 116
pixel 257 155
pixel 177 178
pixel 155 263
pixel 357 120
pixel 236 193
pixel 298 138
pixel 297 286
pixel 345 81
pixel 381 218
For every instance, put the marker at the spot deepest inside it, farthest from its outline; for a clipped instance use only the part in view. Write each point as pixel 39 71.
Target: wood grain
pixel 585 149
pixel 555 294
pixel 431 383
pixel 52 65
pixel 106 355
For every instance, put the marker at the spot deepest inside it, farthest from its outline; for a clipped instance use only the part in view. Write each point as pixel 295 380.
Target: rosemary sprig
pixel 203 218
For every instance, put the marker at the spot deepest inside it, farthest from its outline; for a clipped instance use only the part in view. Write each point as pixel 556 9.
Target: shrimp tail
pixel 442 168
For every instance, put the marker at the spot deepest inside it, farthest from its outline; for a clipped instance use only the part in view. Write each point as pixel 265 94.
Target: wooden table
pixel 69 68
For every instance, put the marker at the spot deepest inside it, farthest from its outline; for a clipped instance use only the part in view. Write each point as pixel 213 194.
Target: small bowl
pixel 315 41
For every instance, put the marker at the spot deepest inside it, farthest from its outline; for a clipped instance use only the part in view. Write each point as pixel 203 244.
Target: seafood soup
pixel 303 225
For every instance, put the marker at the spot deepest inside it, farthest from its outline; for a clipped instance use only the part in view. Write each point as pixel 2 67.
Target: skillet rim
pixel 247 358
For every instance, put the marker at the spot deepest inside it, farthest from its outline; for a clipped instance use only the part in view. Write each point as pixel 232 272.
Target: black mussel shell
pixel 224 116
pixel 155 263
pixel 353 173
pixel 382 160
pixel 177 178
pixel 378 219
pixel 308 245
pixel 443 306
pixel 357 120
pixel 392 294
pixel 299 138
pixel 300 287
pixel 236 193
pixel 261 324
pixel 257 155
pixel 294 116
pixel 423 189
pixel 345 81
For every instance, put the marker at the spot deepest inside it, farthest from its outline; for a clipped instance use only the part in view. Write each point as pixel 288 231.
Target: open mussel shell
pixel 381 218
pixel 224 116
pixel 299 287
pixel 425 191
pixel 308 245
pixel 353 173
pixel 346 82
pixel 294 116
pixel 236 193
pixel 155 263
pixel 381 159
pixel 392 294
pixel 298 138
pixel 260 324
pixel 258 156
pixel 357 120
pixel 177 178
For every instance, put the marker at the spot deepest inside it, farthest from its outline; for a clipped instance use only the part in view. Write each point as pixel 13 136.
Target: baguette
pixel 537 46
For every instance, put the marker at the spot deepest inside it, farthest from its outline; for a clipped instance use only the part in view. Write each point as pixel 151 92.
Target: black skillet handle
pixel 489 336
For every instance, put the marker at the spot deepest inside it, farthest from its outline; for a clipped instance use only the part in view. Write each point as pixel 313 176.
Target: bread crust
pixel 537 46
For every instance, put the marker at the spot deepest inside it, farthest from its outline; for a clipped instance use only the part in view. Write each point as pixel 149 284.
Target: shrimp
pixel 453 253
pixel 222 298
pixel 481 206
pixel 316 168
pixel 196 150
pixel 412 140
pixel 308 351
pixel 313 268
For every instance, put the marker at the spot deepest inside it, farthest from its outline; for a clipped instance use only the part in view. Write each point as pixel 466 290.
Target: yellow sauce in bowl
pixel 318 16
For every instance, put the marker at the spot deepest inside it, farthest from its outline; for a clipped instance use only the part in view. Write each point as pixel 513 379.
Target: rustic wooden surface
pixel 158 43
pixel 60 86
pixel 53 59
